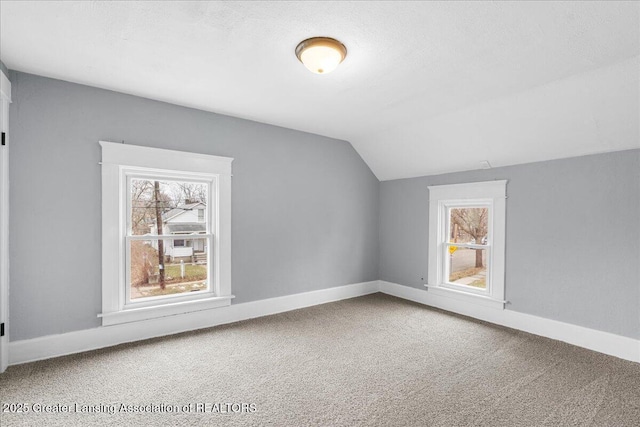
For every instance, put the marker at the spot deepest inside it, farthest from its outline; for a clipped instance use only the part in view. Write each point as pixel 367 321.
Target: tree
pixel 144 261
pixel 189 192
pixel 474 222
pixel 141 212
pixel 143 205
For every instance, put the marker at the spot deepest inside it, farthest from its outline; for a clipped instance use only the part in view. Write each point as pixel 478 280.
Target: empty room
pixel 320 213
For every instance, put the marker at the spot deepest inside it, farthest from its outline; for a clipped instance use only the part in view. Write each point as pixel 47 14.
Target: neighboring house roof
pixel 179 210
pixel 186 228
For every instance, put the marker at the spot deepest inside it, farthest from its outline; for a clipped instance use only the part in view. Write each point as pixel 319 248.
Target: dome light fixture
pixel 321 55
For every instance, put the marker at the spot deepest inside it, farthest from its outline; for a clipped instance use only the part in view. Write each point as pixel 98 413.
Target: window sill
pixel 469 297
pixel 170 309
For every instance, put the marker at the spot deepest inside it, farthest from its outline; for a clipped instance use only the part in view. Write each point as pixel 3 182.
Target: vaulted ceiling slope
pixel 426 88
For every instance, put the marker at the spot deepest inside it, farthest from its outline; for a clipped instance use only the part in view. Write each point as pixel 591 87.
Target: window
pixel 158 265
pixel 159 257
pixel 466 241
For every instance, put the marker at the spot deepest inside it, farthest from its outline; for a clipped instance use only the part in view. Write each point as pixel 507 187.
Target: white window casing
pixel 489 194
pixel 119 163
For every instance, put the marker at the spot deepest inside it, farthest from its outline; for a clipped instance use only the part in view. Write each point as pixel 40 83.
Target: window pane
pixel 185 267
pixel 176 203
pixel 468 225
pixel 468 266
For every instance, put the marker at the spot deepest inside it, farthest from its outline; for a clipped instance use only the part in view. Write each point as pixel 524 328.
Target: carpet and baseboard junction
pixel 373 360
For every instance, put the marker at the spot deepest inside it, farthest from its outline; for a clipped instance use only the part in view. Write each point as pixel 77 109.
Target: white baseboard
pixel 603 342
pixel 90 339
pixel 49 346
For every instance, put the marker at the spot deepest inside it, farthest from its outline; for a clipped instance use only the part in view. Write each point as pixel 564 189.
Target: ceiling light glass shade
pixel 321 55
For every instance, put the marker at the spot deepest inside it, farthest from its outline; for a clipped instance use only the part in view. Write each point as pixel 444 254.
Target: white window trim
pixel 492 193
pixel 117 160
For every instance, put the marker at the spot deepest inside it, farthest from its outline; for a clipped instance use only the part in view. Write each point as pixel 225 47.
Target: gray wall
pixel 304 206
pixel 573 237
pixel 305 213
pixel 4 69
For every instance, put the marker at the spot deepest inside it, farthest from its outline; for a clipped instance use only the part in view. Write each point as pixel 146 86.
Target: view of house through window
pixel 467 247
pixel 177 263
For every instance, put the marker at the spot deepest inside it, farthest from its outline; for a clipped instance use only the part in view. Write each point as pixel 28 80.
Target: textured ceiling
pixel 427 87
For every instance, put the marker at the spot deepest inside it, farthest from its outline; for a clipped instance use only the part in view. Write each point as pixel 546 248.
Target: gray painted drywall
pixel 4 69
pixel 305 213
pixel 573 237
pixel 304 206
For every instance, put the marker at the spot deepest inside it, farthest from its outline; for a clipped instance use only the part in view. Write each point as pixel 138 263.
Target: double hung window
pixel 166 232
pixel 467 241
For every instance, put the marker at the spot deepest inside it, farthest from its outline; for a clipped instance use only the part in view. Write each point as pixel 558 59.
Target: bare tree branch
pixel 474 222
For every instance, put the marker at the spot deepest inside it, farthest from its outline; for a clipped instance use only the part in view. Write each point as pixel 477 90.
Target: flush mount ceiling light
pixel 321 55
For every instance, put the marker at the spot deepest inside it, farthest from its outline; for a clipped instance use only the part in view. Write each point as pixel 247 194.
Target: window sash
pixel 169 236
pixel 445 231
pixel 467 245
pixel 446 268
pixel 175 177
pixel 170 298
pixel 185 177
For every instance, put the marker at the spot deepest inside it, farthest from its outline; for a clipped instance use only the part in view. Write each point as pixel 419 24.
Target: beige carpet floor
pixel 369 361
